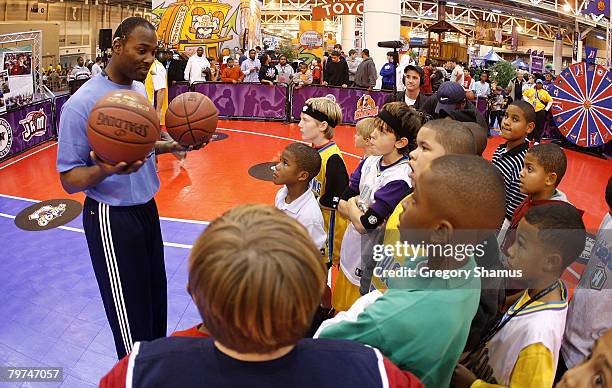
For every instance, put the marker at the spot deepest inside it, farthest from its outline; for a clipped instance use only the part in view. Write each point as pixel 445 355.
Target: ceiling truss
pixel 552 16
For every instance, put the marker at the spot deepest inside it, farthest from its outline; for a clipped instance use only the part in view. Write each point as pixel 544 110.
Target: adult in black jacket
pixel 336 71
pixel 175 66
pixel 267 73
pixel 414 77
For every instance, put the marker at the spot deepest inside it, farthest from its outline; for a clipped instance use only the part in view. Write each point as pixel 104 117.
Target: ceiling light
pixel 451 3
pixel 519 28
pixel 496 10
pixel 567 7
pixel 534 37
pixel 600 37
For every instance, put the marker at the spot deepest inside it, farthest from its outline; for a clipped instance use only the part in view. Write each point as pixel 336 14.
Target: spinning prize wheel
pixel 582 107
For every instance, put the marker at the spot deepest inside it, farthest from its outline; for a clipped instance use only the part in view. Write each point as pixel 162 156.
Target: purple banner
pixel 356 103
pixel 246 100
pixel 59 103
pixel 177 89
pixel 24 128
pixel 537 62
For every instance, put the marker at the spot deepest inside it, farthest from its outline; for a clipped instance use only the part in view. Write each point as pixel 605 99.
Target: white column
pixel 348 32
pixel 557 55
pixel 339 33
pixel 381 21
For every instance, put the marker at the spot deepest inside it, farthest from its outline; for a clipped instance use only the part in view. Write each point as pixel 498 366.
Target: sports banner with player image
pixel 24 128
pixel 246 100
pixel 16 78
pixel 176 89
pixel 356 103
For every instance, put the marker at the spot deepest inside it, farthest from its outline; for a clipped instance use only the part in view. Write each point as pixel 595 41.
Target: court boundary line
pixel 184 220
pixel 171 219
pixel 54 142
pixel 78 230
pixel 278 137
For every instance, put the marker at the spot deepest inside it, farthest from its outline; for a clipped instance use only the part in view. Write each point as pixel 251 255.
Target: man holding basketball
pixel 120 216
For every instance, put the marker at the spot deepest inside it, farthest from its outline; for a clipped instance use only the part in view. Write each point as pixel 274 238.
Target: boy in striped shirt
pixel 509 158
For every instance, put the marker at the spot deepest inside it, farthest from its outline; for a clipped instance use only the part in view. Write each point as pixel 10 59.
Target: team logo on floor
pixel 34 124
pixel 366 107
pixel 48 214
pixel 6 138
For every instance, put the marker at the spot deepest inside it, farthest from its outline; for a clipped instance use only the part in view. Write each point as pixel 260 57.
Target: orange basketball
pixel 191 119
pixel 123 127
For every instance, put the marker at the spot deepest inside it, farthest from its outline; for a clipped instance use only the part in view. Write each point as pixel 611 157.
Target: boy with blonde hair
pixel 363 132
pixel 318 119
pixel 256 278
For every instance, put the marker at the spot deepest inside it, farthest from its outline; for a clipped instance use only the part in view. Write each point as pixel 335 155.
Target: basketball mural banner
pixel 25 128
pixel 356 103
pixel 218 26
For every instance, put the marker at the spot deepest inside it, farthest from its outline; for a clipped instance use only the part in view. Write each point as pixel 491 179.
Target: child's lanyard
pixel 502 322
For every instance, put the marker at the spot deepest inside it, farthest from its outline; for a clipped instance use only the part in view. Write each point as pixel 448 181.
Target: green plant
pixel 502 73
pixel 288 50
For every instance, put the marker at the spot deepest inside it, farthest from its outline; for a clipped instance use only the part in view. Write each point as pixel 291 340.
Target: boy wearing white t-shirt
pixel 523 347
pixel 298 165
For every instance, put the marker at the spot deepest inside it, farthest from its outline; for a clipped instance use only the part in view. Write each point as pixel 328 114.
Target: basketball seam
pixel 195 124
pixel 187 121
pixel 203 118
pixel 121 108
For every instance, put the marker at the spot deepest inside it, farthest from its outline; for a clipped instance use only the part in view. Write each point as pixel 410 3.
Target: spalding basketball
pixel 191 119
pixel 123 127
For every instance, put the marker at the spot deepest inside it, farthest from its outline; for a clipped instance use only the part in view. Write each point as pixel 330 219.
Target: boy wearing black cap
pixel 451 96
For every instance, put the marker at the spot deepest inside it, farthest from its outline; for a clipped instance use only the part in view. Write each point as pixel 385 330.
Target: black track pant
pixel 536 134
pixel 127 253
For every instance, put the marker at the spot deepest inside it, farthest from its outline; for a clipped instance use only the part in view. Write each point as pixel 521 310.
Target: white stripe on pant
pixel 113 274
